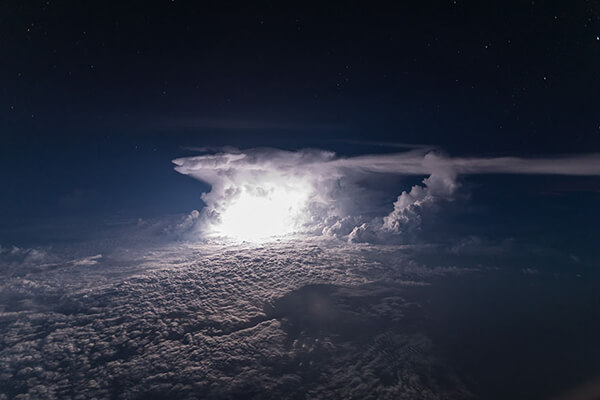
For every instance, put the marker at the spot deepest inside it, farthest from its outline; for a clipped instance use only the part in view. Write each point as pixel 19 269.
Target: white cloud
pixel 322 193
pixel 86 261
pixel 24 261
pixel 406 216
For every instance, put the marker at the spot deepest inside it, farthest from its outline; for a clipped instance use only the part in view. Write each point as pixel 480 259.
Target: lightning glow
pixel 264 211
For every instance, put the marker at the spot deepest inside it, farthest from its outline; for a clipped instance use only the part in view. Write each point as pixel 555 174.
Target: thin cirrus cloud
pixel 332 185
pixel 425 163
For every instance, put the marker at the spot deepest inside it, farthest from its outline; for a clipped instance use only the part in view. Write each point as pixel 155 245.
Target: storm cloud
pixel 336 199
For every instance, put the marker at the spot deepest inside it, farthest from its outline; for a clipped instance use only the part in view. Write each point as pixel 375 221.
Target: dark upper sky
pixel 98 97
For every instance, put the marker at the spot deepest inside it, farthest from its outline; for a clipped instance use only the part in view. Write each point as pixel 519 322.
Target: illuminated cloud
pixel 258 193
pixel 173 324
pixel 264 192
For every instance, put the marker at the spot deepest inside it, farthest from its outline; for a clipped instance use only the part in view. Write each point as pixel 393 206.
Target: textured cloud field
pixel 290 319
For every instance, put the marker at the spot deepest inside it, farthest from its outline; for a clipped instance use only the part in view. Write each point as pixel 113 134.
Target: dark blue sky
pixel 98 98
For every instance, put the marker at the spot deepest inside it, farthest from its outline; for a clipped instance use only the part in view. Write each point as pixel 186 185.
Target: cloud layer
pixel 212 321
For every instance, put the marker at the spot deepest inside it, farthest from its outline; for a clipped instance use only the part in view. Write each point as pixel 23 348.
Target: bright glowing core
pixel 264 211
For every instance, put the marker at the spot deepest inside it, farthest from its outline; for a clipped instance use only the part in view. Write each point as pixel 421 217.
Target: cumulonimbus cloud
pixel 335 199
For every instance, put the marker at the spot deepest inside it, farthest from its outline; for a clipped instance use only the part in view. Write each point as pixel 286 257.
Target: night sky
pixel 97 98
pixel 105 105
